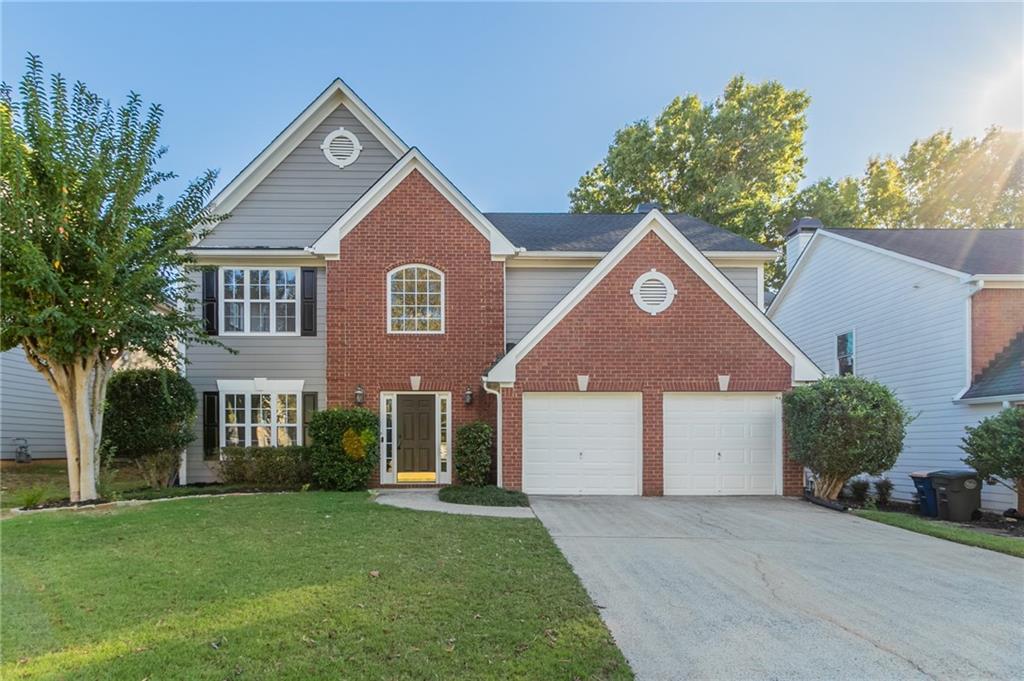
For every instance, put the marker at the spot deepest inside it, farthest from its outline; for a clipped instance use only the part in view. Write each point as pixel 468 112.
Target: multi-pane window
pixel 416 300
pixel 263 419
pixel 844 353
pixel 259 300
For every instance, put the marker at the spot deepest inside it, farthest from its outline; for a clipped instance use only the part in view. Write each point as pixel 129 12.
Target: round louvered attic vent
pixel 341 147
pixel 653 292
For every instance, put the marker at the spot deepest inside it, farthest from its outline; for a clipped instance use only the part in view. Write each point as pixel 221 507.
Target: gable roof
pixel 504 371
pixel 334 95
pixel 600 232
pixel 971 251
pixel 1004 375
pixel 329 242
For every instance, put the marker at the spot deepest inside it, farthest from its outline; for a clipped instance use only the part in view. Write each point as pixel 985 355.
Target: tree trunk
pixel 829 486
pixel 81 389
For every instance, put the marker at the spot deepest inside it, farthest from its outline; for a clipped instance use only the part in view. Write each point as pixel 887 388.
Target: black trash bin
pixel 957 493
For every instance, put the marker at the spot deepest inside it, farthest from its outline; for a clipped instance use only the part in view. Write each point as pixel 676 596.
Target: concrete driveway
pixel 752 588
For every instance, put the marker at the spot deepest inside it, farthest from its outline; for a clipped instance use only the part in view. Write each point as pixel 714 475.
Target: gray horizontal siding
pixel 300 198
pixel 28 409
pixel 271 357
pixel 745 279
pixel 531 293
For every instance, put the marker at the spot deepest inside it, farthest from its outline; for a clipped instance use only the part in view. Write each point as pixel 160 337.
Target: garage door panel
pixel 581 443
pixel 720 443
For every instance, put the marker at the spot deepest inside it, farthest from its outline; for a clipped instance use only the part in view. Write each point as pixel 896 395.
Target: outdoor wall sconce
pixel 360 395
pixel 467 396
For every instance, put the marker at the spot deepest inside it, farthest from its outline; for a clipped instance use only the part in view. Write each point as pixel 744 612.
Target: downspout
pixel 496 393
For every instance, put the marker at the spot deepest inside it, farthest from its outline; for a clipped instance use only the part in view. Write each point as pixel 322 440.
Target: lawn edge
pixel 984 541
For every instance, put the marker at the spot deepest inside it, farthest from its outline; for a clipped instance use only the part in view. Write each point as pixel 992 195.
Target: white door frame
pixel 442 435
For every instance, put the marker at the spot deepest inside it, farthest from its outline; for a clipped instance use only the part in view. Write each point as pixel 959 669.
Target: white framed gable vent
pixel 341 147
pixel 653 292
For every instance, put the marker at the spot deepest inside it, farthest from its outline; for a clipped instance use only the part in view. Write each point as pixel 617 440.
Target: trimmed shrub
pixel 883 491
pixel 345 447
pixel 859 490
pixel 843 426
pixel 148 420
pixel 473 444
pixel 995 448
pixel 276 466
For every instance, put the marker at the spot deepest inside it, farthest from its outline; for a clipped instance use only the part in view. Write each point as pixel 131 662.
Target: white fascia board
pixel 1018 397
pixel 212 255
pixel 526 258
pixel 794 273
pixel 336 94
pixel 757 257
pixel 998 280
pixel 328 244
pixel 803 368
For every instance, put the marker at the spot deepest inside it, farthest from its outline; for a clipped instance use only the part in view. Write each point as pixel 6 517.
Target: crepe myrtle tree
pixel 93 265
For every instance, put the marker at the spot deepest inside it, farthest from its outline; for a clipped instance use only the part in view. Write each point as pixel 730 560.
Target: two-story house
pixel 614 354
pixel 935 314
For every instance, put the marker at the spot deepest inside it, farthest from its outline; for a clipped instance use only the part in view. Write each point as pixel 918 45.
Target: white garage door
pixel 719 443
pixel 581 443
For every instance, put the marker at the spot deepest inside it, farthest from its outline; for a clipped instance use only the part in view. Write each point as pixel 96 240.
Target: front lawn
pixel 292 586
pixel 48 481
pixel 1013 546
pixel 482 496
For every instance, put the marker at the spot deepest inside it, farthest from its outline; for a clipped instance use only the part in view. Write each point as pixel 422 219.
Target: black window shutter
pixel 309 407
pixel 211 424
pixel 308 301
pixel 210 301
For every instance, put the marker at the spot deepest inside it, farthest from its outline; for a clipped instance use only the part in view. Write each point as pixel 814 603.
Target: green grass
pixel 42 481
pixel 482 496
pixel 1012 546
pixel 292 586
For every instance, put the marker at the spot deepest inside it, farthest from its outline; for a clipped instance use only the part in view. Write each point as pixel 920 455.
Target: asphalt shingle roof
pixel 973 251
pixel 1004 375
pixel 600 232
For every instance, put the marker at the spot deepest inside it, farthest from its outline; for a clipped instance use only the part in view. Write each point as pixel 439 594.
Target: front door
pixel 417 461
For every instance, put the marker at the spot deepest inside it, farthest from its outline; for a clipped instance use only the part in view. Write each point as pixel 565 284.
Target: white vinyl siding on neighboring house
pixel 28 409
pixel 911 330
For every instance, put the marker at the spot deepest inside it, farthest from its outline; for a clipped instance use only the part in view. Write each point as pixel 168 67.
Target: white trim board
pixel 803 368
pixel 335 95
pixel 329 243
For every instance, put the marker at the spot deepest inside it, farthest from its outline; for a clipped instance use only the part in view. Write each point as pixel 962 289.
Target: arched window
pixel 415 300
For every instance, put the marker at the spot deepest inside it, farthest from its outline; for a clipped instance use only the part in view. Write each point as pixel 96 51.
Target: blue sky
pixel 515 102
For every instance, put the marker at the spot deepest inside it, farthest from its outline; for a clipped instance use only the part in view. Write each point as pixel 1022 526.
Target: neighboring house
pixel 614 354
pixel 28 409
pixel 936 315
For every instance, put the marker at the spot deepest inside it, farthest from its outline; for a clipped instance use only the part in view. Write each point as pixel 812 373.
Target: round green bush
pixel 345 447
pixel 148 419
pixel 843 426
pixel 995 447
pixel 473 445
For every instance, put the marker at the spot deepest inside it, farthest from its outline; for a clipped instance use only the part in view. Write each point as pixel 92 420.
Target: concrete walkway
pixel 768 588
pixel 426 500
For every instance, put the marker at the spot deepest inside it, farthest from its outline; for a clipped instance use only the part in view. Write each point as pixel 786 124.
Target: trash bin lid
pixel 954 474
pixel 919 474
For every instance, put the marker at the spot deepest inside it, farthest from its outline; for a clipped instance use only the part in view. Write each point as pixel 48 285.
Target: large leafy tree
pixel 939 182
pixel 92 259
pixel 733 162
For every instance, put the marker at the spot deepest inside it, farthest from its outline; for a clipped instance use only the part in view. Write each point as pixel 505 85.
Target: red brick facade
pixel 624 349
pixel 997 315
pixel 414 223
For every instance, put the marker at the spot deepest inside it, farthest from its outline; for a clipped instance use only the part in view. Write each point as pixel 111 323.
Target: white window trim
pixel 835 349
pixel 246 300
pixel 260 386
pixel 444 306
